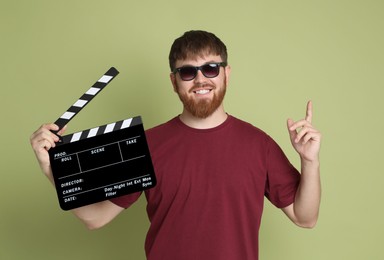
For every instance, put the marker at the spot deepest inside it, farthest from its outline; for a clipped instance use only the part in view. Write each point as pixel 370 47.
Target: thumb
pixel 292 133
pixel 62 130
pixel 289 123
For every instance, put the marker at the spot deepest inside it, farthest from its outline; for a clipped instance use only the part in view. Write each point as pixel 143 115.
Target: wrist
pixel 305 163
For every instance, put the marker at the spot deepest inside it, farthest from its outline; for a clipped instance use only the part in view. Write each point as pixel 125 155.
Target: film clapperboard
pixel 103 162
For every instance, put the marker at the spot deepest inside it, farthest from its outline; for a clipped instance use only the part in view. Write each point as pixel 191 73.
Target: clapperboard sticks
pixel 85 99
pixel 103 129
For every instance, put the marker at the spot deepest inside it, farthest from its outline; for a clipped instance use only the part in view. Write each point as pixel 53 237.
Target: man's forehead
pixel 198 59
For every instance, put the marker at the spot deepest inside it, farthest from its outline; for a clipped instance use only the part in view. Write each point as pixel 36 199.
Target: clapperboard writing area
pixel 103 162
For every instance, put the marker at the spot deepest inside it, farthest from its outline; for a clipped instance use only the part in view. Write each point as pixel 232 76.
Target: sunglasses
pixel 209 70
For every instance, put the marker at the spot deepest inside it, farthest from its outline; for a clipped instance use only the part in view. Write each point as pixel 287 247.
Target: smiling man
pixel 213 169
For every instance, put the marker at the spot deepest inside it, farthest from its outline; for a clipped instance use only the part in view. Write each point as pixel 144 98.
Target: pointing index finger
pixel 308 115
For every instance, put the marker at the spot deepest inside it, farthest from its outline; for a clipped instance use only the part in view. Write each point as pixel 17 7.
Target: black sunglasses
pixel 209 70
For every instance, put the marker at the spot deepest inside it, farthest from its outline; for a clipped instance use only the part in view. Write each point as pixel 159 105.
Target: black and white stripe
pixel 104 129
pixel 87 97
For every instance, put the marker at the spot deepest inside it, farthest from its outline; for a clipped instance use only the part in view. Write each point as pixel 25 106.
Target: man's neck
pixel 217 118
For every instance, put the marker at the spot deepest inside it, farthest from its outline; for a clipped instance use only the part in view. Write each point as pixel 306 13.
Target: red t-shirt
pixel 210 190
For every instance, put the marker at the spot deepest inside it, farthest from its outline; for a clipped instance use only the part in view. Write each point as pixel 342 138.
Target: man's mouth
pixel 202 91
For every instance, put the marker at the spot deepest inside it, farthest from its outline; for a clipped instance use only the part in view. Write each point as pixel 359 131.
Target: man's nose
pixel 200 77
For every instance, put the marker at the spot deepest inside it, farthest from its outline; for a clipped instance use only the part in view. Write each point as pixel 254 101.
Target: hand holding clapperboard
pixel 103 162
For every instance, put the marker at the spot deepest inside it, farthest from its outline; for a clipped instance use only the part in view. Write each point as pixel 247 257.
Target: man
pixel 213 170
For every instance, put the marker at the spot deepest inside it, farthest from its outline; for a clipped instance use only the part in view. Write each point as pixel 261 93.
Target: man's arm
pixel 306 141
pixel 93 216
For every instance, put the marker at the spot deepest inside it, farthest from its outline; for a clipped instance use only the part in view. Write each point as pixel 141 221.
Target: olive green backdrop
pixel 282 53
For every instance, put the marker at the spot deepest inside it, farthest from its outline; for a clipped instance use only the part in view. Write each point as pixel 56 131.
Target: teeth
pixel 202 91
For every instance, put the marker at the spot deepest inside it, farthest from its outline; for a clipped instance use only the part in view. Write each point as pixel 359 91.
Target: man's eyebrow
pixel 208 62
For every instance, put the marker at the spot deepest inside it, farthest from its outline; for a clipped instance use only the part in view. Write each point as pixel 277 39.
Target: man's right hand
pixel 41 141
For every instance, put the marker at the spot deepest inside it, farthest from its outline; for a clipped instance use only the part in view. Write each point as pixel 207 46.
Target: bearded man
pixel 213 169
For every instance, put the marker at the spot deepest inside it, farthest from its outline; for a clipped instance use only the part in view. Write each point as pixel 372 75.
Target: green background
pixel 282 53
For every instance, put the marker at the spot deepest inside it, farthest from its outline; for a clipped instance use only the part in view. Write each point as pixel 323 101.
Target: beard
pixel 204 107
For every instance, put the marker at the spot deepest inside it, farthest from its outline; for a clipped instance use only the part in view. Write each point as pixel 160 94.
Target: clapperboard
pixel 100 163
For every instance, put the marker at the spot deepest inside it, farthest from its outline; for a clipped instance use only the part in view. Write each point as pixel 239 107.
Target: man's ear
pixel 227 74
pixel 172 76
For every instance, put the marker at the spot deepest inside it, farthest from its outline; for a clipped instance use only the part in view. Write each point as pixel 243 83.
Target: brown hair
pixel 196 43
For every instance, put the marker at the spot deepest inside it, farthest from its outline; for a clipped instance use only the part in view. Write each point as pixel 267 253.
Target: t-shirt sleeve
pixel 282 177
pixel 127 200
